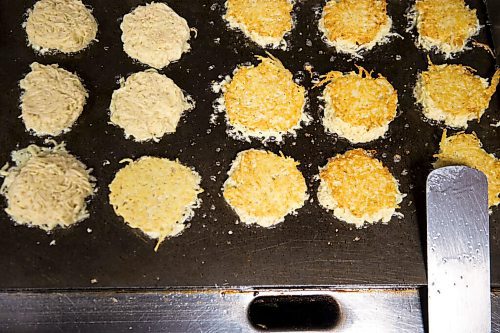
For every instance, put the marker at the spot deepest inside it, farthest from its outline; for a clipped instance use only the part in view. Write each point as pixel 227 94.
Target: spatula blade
pixel 458 253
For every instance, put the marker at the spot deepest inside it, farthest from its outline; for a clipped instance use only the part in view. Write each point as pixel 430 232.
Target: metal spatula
pixel 458 253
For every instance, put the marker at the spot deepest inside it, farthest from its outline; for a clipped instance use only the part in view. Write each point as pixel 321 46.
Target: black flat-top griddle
pixel 312 248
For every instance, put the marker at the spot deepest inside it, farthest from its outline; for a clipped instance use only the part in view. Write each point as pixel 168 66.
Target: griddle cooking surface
pixel 312 248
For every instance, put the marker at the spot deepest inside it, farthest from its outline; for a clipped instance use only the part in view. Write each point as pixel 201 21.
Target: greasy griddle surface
pixel 312 248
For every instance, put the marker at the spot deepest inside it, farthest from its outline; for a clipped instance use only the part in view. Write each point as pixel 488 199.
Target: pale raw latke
pixel 52 100
pixel 264 101
pixel 47 187
pixel 263 187
pixel 62 25
pixel 358 188
pixel 453 94
pixel 148 105
pixel 358 107
pixel 155 195
pixel 155 35
pixel 265 22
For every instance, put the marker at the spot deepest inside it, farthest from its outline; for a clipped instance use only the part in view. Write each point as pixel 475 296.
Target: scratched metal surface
pixel 210 311
pixel 458 252
pixel 203 311
pixel 311 248
pixel 495 311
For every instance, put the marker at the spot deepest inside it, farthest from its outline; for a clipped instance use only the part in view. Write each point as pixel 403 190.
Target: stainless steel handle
pixel 294 312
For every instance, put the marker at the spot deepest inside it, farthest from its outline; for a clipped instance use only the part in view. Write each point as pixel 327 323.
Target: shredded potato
pixel 265 22
pixel 466 149
pixel 62 25
pixel 155 195
pixel 453 94
pixel 358 106
pixel 263 187
pixel 148 105
pixel 263 100
pixel 445 24
pixel 47 187
pixel 358 188
pixel 52 100
pixel 354 25
pixel 155 35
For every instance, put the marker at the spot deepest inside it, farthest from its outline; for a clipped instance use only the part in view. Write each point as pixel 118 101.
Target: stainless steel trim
pixel 362 310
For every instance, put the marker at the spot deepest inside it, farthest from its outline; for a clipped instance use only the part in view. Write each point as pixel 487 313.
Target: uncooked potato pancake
pixel 52 100
pixel 61 25
pixel 453 94
pixel 358 188
pixel 445 25
pixel 47 187
pixel 466 149
pixel 155 35
pixel 358 107
pixel 148 105
pixel 263 101
pixel 355 25
pixel 155 195
pixel 263 21
pixel 263 187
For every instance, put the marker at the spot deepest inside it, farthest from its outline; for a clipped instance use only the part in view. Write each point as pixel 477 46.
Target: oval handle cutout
pixel 294 312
